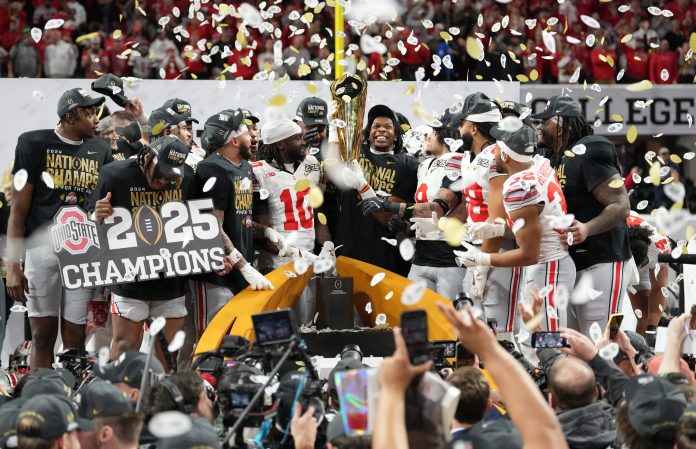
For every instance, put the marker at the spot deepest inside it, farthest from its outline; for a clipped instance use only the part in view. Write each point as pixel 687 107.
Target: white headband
pixel 493 115
pixel 242 129
pixel 513 155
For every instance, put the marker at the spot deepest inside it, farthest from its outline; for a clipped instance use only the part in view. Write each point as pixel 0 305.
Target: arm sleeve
pixel 27 158
pixel 599 164
pixel 520 194
pixel 610 377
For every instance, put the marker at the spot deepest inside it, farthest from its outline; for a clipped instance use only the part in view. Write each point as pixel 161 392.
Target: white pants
pixel 47 296
pixel 611 279
pixel 446 281
pixel 137 310
pixel 500 295
pixel 557 274
pixel 208 299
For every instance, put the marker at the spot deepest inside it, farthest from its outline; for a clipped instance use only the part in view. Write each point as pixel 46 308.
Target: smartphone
pixel 692 324
pixel 548 340
pixel 274 327
pixel 449 345
pixel 614 324
pixel 414 328
pixel 464 357
pixel 352 391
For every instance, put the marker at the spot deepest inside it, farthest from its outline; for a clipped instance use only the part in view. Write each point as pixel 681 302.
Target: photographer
pixel 474 401
pixel 183 391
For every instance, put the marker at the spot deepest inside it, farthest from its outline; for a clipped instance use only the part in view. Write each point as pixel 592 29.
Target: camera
pixel 237 385
pixel 537 374
pixel 78 362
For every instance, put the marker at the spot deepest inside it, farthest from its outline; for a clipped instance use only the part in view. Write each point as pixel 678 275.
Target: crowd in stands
pixel 549 42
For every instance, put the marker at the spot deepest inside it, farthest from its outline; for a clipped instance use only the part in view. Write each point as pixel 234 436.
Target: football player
pixel 534 203
pixel 646 244
pixel 61 167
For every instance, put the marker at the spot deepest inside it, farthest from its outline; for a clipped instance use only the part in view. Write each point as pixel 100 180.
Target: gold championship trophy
pixel 350 93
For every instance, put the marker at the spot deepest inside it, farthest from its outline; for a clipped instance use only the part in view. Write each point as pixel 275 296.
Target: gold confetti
pixel 632 134
pixel 316 197
pixel 655 173
pixel 117 34
pixel 193 75
pixel 454 231
pixel 668 180
pixel 302 185
pixel 626 38
pixel 303 70
pixel 472 47
pixel 675 158
pixel 157 129
pixel 448 37
pixel 278 100
pixel 224 9
pixel 533 75
pixel 389 295
pixel 639 86
pixel 569 153
pixel 615 184
pixel 322 218
pixel 690 231
pixel 692 42
pixel 85 37
pixel 610 61
pixel 522 78
pixel 411 89
pixel 617 118
pixel 362 65
pixel 311 88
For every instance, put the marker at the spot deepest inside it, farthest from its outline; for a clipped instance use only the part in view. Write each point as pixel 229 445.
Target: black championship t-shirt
pixel 578 176
pixel 129 189
pixel 72 168
pixel 361 237
pixel 232 193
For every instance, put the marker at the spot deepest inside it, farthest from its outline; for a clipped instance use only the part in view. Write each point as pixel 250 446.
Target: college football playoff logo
pixel 148 225
pixel 73 231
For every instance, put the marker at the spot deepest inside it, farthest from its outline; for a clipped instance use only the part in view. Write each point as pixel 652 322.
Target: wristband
pixel 364 189
pixel 235 256
pixel 443 204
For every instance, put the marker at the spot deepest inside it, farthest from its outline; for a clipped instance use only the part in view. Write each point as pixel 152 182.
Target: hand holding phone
pixel 414 327
pixel 614 324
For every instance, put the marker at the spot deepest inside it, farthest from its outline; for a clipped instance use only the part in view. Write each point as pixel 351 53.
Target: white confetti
pixel 642 205
pixel 48 180
pixel 209 184
pixel 163 21
pixel 392 242
pixel 39 96
pixel 263 194
pixel 551 21
pixel 18 308
pixel 595 332
pixel 638 313
pixel 406 249
pixel 544 292
pixel 549 41
pixel 169 424
pixel 624 8
pixel 609 351
pixel 380 319
pixel 245 184
pixel 301 265
pixel 377 278
pixel 562 297
pixel 103 357
pixel 688 156
pixel 590 40
pixel 322 265
pixel 590 21
pixel 454 31
pixel 20 179
pixel 368 307
pixel 164 252
pixel 36 34
pixel 615 127
pixel 551 313
pixel 177 342
pixel 569 239
pixel 654 10
pixel 579 149
pixel 667 13
pixel 413 293
pixel 53 24
pixel 517 225
pixel 163 73
pixel 289 274
pixel 664 75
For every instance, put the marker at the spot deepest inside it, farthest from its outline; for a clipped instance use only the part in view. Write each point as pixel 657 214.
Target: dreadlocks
pixel 268 152
pixel 571 130
pixel 446 132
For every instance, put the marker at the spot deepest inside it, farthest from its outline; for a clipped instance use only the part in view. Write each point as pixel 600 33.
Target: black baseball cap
pixel 111 86
pixel 9 412
pixel 131 132
pixel 53 415
pixel 218 127
pixel 654 404
pixel 312 111
pixel 248 115
pixel 161 119
pixel 169 155
pixel 181 110
pixel 128 368
pixel 562 105
pixel 76 98
pixel 48 381
pixel 201 436
pixel 101 399
pixel 381 110
pixel 519 137
pixel 478 108
pixel 500 433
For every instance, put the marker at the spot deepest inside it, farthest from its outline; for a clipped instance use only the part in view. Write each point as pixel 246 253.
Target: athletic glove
pixel 311 138
pixel 485 230
pixel 472 257
pixel 478 285
pixel 283 249
pixel 256 280
pixel 426 228
pixel 397 224
pixel 377 204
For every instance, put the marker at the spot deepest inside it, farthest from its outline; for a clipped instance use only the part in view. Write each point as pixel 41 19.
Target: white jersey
pixel 475 177
pixel 289 211
pixel 435 174
pixel 538 185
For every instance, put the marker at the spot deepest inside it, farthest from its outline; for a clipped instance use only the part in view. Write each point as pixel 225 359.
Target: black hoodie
pixel 589 427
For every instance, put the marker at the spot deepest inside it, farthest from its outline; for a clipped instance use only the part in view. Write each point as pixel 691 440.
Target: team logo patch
pixel 71 198
pixel 74 232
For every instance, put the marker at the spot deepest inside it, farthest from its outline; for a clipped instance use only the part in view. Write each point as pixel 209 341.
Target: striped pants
pixel 611 279
pixel 559 275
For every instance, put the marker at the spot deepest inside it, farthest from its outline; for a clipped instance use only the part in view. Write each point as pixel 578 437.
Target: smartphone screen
pixel 414 328
pixel 352 389
pixel 614 324
pixel 548 340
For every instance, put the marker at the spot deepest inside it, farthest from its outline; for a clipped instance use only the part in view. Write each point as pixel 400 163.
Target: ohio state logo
pixel 73 231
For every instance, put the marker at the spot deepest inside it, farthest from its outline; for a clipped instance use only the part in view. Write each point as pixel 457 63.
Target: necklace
pixel 230 160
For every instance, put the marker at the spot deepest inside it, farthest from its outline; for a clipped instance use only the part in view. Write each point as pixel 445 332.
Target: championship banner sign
pixel 179 240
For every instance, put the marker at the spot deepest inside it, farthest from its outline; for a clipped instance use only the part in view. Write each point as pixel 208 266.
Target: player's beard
pixel 467 142
pixel 245 151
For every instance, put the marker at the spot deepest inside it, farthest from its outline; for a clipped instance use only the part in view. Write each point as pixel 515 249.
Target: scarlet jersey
pixel 289 210
pixel 435 174
pixel 538 185
pixel 475 177
pixel 659 244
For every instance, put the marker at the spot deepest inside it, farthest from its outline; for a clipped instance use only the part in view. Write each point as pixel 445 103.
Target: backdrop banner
pixel 667 110
pixel 32 103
